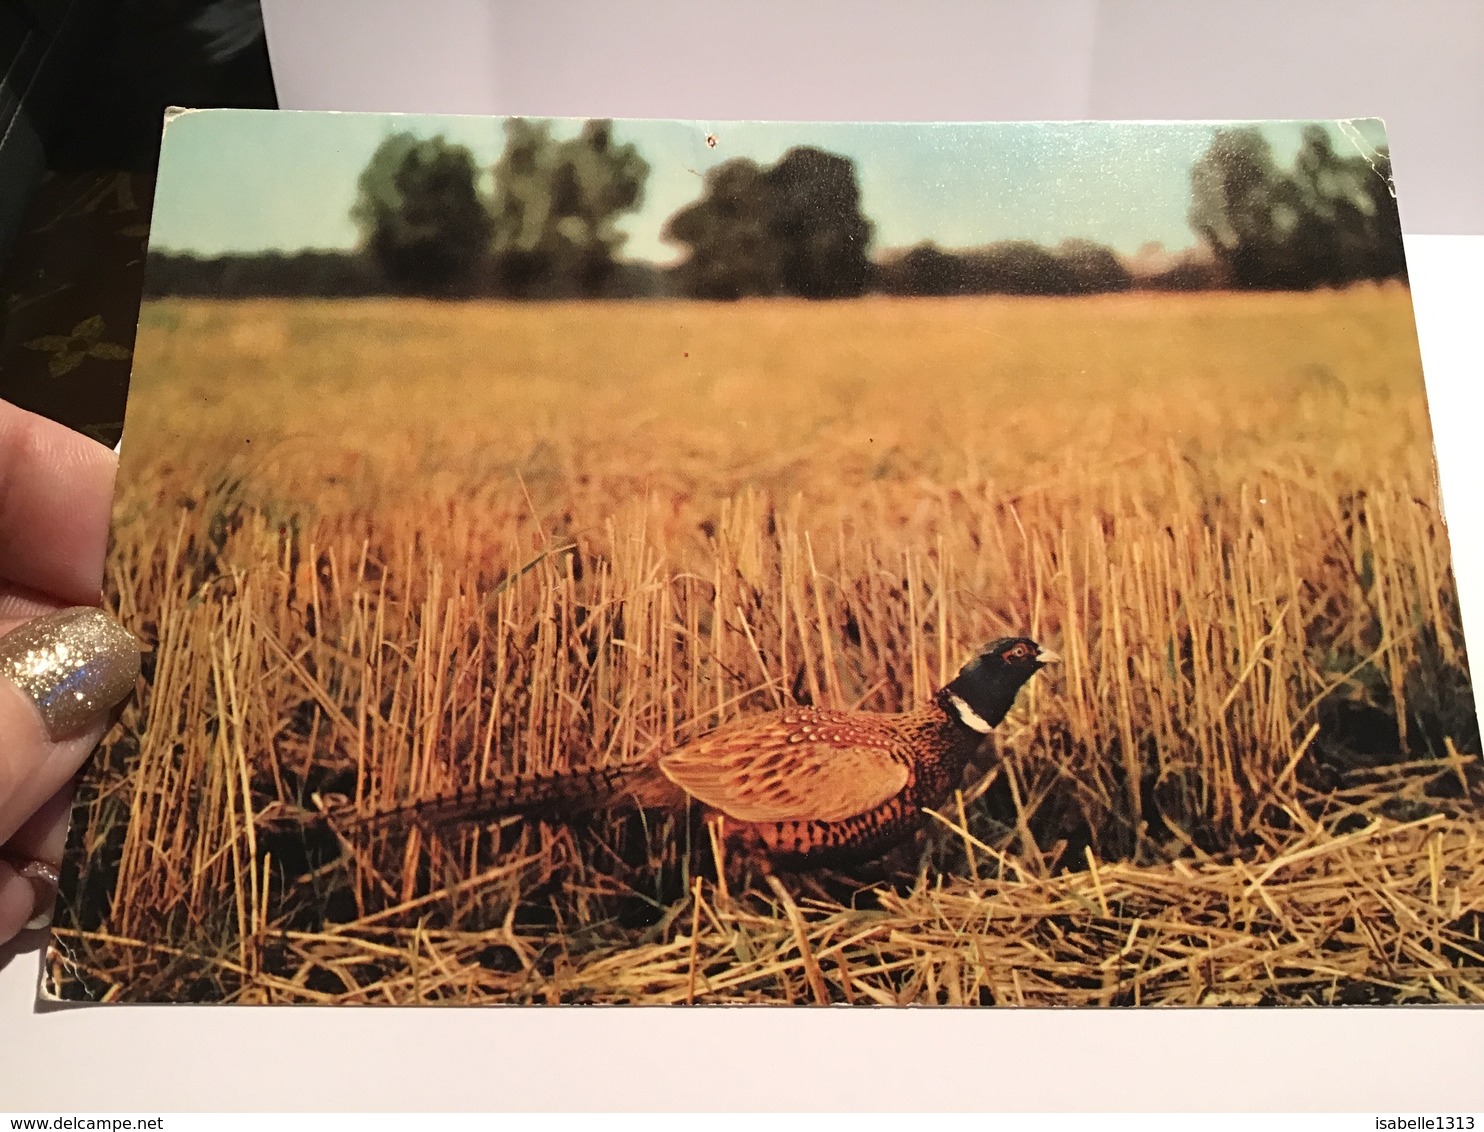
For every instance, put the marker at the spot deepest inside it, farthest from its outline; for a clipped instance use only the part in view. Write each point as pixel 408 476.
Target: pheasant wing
pixel 777 775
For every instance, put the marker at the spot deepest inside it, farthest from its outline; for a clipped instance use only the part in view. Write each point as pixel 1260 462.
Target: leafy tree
pixel 1092 268
pixel 556 208
pixel 818 225
pixel 1012 267
pixel 1350 228
pixel 421 216
pixel 1329 220
pixel 793 228
pixel 244 275
pixel 1016 267
pixel 1237 208
pixel 733 248
pixel 924 270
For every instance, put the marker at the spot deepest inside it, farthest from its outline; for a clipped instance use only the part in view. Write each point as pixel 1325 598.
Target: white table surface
pixel 203 1058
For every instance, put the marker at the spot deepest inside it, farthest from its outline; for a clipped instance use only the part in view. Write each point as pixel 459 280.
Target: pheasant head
pixel 984 689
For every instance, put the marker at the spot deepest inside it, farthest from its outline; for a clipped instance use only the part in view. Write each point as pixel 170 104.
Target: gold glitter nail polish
pixel 75 665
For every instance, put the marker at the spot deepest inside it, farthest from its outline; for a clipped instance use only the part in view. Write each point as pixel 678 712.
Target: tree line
pixel 549 227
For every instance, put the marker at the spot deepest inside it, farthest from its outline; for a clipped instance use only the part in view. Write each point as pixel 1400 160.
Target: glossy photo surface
pixel 779 563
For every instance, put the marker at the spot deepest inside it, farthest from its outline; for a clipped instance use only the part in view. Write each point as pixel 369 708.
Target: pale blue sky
pixel 247 180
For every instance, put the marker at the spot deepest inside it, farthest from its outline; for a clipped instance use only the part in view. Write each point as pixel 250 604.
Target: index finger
pixel 56 488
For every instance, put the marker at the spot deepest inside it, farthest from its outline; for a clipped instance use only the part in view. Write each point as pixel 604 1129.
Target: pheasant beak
pixel 1046 656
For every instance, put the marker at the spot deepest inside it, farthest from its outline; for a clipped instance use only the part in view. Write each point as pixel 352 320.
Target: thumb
pixel 61 676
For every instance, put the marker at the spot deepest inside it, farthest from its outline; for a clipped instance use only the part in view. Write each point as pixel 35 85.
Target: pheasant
pixel 796 789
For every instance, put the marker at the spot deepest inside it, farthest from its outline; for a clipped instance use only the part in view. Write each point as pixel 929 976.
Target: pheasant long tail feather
pixel 563 795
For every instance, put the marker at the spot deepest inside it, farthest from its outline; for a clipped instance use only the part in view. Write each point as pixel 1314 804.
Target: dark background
pixel 83 89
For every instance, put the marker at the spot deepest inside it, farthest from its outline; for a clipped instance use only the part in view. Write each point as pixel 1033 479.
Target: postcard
pixel 660 562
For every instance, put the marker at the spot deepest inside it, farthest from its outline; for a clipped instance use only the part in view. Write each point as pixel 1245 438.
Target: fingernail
pixel 76 665
pixel 44 879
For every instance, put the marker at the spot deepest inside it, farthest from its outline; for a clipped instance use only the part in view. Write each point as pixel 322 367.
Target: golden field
pixel 380 548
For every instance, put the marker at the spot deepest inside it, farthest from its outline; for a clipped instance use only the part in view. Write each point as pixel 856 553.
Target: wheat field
pixel 380 548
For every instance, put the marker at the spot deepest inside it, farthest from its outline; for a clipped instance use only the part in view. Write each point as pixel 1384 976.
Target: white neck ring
pixel 969 716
